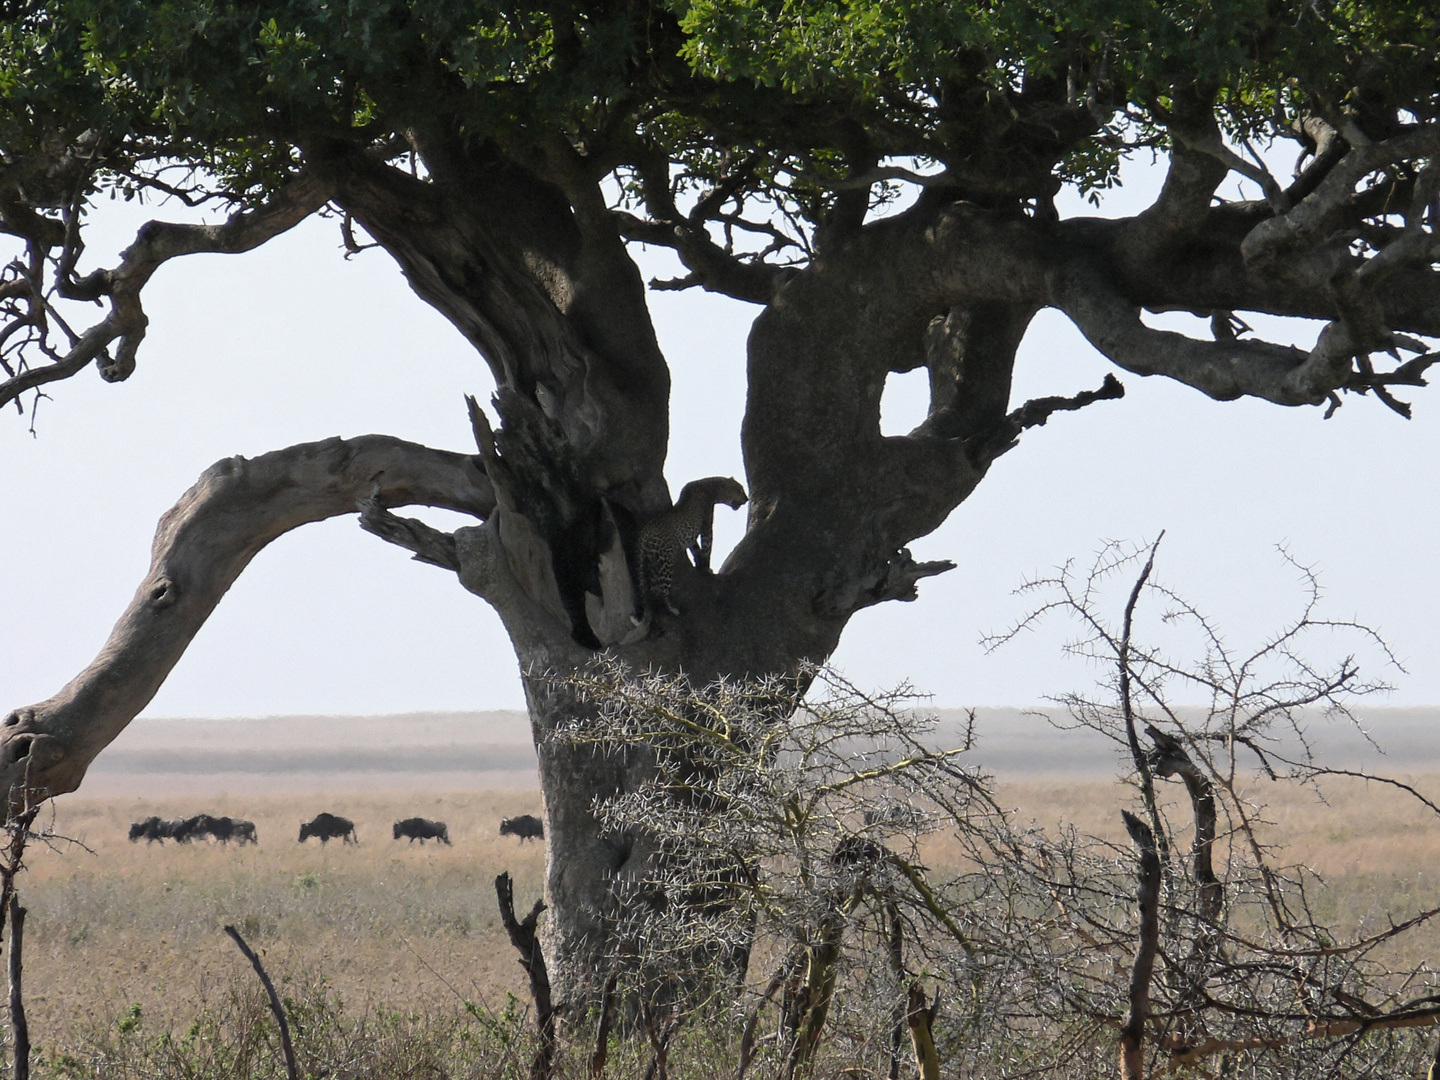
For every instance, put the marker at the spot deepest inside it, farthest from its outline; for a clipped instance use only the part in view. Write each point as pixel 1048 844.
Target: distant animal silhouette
pixel 183 830
pixel 856 851
pixel 217 828
pixel 154 829
pixel 418 828
pixel 329 827
pixel 526 827
pixel 245 832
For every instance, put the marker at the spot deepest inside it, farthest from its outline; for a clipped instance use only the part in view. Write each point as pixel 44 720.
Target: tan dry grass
pixel 388 923
pixel 391 923
pixel 1344 828
pixel 1374 848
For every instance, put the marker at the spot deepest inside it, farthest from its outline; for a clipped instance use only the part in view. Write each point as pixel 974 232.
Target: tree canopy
pixel 746 134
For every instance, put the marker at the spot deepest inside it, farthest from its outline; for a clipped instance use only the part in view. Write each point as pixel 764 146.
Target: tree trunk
pixel 527 263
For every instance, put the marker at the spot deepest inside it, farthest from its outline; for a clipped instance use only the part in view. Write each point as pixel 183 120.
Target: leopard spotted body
pixel 685 527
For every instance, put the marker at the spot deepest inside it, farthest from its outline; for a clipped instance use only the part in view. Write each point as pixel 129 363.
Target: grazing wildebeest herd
pixel 324 826
pixel 183 830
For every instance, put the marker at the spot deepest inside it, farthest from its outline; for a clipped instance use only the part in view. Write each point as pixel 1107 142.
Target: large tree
pixel 877 176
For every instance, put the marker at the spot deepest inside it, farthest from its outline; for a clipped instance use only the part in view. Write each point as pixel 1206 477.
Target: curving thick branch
pixel 1224 369
pixel 202 544
pixel 1322 212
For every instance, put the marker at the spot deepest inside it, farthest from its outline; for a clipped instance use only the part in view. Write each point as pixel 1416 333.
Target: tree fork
pixel 522 935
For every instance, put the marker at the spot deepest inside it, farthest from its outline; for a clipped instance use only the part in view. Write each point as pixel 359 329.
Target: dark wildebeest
pixel 153 829
pixel 856 851
pixel 185 830
pixel 526 827
pixel 203 825
pixel 329 827
pixel 417 828
pixel 223 829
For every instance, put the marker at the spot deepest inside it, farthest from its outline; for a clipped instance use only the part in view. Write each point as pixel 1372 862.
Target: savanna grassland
pixel 127 937
pixel 390 925
pixel 396 925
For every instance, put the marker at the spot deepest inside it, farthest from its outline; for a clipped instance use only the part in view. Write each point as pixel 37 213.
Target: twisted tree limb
pixel 1317 215
pixel 920 1016
pixel 156 243
pixel 522 935
pixel 201 546
pixel 1224 369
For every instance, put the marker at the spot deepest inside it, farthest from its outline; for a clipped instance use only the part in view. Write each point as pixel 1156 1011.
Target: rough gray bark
pixel 19 1027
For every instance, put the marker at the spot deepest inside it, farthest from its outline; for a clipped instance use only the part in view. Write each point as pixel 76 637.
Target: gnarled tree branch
pixel 711 266
pixel 1319 213
pixel 156 243
pixel 1224 370
pixel 430 545
pixel 201 546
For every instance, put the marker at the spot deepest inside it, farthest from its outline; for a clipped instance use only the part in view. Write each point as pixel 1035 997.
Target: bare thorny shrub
pixel 787 893
pixel 1235 971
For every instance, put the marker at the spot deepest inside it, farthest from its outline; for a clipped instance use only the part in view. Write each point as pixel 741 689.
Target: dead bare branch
pixel 523 936
pixel 276 1008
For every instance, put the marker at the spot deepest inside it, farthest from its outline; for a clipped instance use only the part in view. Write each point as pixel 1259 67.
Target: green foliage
pixel 1019 85
pixel 130 1021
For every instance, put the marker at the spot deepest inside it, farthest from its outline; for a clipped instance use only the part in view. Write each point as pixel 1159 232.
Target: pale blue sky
pixel 293 343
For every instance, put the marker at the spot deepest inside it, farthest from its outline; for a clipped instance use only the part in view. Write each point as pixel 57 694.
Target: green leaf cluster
pixel 1046 91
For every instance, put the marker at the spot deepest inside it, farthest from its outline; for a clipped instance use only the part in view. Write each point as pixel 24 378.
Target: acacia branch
pixel 1315 1029
pixel 201 546
pixel 1316 216
pixel 1132 1031
pixel 156 243
pixel 276 1007
pixel 1224 369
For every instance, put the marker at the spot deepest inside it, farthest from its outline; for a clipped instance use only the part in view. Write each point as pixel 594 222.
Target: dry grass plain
pixel 393 925
pixel 390 924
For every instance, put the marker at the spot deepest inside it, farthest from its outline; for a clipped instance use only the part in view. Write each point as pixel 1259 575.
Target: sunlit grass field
pixel 389 924
pixel 397 927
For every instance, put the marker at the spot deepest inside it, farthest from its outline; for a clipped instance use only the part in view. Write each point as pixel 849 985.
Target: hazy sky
pixel 293 343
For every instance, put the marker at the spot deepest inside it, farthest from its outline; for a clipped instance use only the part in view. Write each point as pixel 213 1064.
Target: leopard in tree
pixel 686 526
